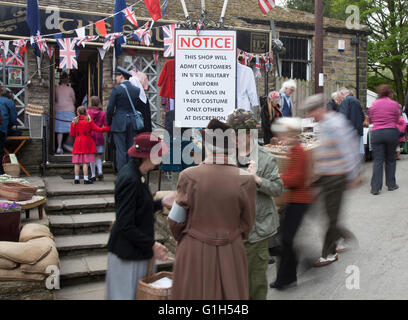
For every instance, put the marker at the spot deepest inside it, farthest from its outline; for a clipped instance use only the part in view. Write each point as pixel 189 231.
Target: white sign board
pixel 205 71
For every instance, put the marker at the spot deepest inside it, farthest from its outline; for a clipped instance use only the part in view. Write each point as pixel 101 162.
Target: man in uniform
pixel 118 115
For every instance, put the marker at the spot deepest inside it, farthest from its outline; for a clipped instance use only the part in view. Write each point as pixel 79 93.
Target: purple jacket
pixel 99 117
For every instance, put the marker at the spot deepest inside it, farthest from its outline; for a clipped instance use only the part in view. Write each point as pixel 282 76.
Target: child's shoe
pixel 93 179
pixel 76 181
pixel 100 177
pixel 88 182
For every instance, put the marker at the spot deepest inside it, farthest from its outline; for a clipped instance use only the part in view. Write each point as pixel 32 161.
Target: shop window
pixel 146 64
pixel 12 79
pixel 296 60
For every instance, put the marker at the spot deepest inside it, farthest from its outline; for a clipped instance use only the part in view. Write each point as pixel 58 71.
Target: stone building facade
pixel 296 28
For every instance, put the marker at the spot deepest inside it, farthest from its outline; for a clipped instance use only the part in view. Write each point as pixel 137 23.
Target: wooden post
pixel 318 45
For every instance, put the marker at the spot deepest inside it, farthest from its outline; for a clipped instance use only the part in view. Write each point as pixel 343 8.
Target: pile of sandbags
pixel 29 258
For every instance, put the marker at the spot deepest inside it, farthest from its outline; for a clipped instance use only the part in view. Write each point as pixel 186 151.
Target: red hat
pixel 143 145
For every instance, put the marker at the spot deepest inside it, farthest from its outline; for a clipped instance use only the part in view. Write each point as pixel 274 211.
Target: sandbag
pixel 33 231
pixel 7 264
pixel 24 252
pixel 41 266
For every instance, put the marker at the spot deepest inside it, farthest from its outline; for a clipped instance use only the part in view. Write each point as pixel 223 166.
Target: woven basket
pixel 145 291
pixel 16 191
pixel 12 169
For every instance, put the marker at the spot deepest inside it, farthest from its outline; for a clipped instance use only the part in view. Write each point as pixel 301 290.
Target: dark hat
pixel 143 145
pixel 123 71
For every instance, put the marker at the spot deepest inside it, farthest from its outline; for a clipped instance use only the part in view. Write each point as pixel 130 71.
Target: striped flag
pixel 131 16
pixel 168 40
pixel 266 5
pixel 68 54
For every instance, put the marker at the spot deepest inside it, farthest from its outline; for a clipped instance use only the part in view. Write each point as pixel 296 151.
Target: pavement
pixel 373 270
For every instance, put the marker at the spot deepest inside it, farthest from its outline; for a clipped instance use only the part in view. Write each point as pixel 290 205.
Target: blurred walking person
pixel 384 115
pixel 270 111
pixel 264 168
pixel 296 178
pixel 337 162
pixel 214 210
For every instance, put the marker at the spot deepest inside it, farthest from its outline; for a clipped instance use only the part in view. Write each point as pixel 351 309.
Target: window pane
pixel 299 70
pixel 286 69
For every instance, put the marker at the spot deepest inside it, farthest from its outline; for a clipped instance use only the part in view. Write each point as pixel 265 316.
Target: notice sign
pixel 205 71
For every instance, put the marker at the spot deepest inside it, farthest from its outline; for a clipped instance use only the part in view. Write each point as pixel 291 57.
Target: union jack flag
pixel 168 39
pixel 258 68
pixel 19 46
pixel 266 5
pixel 68 54
pixel 41 43
pixel 82 40
pixel 110 39
pixel 143 34
pixel 131 16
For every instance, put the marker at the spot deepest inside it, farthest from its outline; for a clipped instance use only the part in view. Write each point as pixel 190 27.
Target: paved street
pixel 380 224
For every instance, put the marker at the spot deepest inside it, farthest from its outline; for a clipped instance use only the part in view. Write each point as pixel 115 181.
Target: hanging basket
pixel 12 169
pixel 145 291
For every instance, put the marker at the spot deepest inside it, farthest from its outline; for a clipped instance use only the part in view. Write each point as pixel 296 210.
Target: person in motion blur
pixel 213 212
pixel 384 115
pixel 263 166
pixel 296 178
pixel 270 111
pixel 337 164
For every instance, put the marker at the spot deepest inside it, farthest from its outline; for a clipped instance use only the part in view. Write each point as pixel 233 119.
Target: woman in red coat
pixel 84 147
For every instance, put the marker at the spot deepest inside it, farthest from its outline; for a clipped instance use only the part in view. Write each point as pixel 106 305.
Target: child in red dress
pixel 84 147
pixel 99 117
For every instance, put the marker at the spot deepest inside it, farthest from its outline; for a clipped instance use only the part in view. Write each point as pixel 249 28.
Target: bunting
pixel 81 41
pixel 110 39
pixel 153 6
pixel 258 68
pixel 168 40
pixel 101 27
pixel 68 54
pixel 131 16
pixel 143 34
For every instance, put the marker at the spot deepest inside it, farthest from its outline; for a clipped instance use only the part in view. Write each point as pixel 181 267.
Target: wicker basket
pixel 12 169
pixel 16 191
pixel 145 291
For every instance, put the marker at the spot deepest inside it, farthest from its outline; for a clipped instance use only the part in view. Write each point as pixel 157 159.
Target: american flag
pixel 131 16
pixel 168 38
pixel 81 41
pixel 68 53
pixel 266 5
pixel 110 39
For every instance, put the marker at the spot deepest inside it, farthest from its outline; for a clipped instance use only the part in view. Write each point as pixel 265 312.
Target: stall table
pixel 22 140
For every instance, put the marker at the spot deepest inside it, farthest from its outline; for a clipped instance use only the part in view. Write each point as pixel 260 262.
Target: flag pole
pixel 224 8
pixel 183 4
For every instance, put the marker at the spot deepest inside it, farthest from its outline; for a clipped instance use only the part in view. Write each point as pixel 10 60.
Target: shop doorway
pixel 86 81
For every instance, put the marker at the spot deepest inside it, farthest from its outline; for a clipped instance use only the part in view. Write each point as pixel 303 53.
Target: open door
pixel 85 81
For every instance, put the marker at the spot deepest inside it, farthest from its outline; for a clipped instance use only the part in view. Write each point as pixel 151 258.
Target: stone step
pixel 79 205
pixel 71 245
pixel 89 268
pixel 58 168
pixel 81 223
pixel 57 186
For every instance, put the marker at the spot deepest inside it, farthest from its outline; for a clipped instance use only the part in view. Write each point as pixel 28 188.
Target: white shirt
pixel 246 88
pixel 136 82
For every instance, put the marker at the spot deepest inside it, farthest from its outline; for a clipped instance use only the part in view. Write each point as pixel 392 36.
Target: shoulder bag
pixel 136 117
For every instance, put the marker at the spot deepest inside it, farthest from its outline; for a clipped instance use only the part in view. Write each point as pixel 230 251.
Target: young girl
pixel 84 147
pixel 99 117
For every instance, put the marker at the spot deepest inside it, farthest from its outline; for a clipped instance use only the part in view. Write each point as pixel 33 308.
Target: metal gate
pixel 147 65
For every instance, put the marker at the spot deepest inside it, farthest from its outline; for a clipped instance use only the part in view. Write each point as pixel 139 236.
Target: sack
pixel 136 118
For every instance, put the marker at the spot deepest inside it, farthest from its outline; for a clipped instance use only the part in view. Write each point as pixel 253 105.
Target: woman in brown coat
pixel 214 210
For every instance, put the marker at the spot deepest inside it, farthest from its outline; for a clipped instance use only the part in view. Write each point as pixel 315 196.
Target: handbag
pixel 137 121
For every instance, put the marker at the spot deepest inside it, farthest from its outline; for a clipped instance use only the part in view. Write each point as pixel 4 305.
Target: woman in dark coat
pixel 131 244
pixel 269 112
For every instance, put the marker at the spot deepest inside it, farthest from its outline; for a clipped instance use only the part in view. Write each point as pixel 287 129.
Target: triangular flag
pixel 102 52
pixel 101 27
pixel 80 32
pixel 50 52
pixel 154 9
pixel 131 16
pixel 6 47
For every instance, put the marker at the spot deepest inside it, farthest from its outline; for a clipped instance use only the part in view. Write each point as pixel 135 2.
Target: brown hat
pixel 143 145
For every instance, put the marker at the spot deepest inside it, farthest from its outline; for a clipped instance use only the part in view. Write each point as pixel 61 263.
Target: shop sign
pixel 205 76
